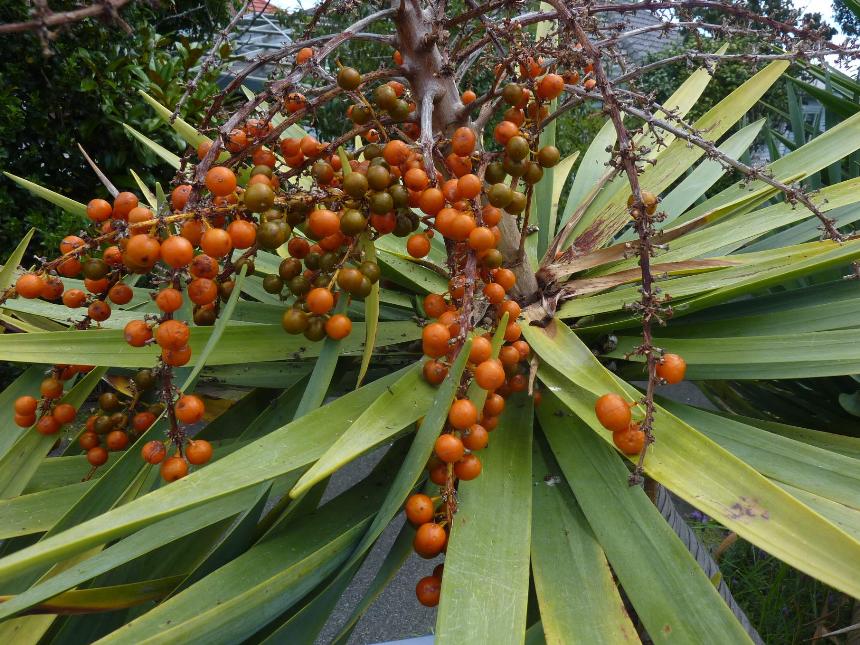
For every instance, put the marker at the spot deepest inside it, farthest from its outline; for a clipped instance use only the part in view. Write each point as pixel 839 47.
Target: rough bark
pixel 430 75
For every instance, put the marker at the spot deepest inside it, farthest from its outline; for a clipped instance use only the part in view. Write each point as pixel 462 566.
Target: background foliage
pixel 83 94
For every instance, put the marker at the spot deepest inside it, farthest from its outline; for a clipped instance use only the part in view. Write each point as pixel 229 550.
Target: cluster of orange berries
pixel 614 412
pixel 467 430
pixel 46 413
pixel 189 410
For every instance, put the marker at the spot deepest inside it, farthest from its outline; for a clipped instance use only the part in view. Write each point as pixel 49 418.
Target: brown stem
pixel 627 157
pixel 51 19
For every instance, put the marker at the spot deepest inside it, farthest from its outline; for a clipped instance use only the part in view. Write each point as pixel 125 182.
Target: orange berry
pixel 99 310
pixel 449 448
pixel 468 186
pixel 47 425
pixel 304 55
pixel 430 539
pixel 123 204
pixel 237 140
pixel 435 305
pixel 490 375
pixel 169 300
pixel 215 243
pixel 509 355
pixel 116 440
pixel 431 200
pixel 518 383
pixel 435 337
pixel 419 509
pixel 97 456
pixel 26 405
pixel 137 333
pixel 203 149
pixel 323 223
pixel 173 468
pixel 74 298
pixel 176 357
pixel 153 452
pixel 504 131
pixel 434 372
pixel 468 467
pixel 189 408
pixel 142 420
pixel 320 300
pixel 51 388
pixel 630 441
pixel 463 141
pixel 29 285
pixel 481 350
pixel 120 293
pixel 462 227
pixel 96 286
pixel 70 243
pixel 550 86
pixel 418 245
pixel 613 412
pixel 395 152
pixel 24 420
pixel 88 440
pixel 491 215
pixel 512 332
pixel 506 278
pixel 494 405
pixel 172 334
pixel 494 292
pixel 438 472
pixel 338 327
pixel 672 368
pixel 65 413
pixel 202 291
pixel 203 266
pixel 98 210
pixel 481 238
pixel 179 196
pixel 468 97
pixel 220 181
pixel 428 591
pixel 476 437
pixel 142 252
pixel 463 414
pixel 177 251
pixel 416 179
pixel 198 452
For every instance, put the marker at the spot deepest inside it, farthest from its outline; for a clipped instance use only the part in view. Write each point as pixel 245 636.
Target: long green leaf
pixel 567 558
pixel 183 128
pixel 67 204
pixel 821 353
pixel 671 594
pixel 84 601
pixel 816 470
pixel 142 542
pixel 371 313
pixel 238 345
pixel 675 159
pixel 403 403
pixel 157 148
pixel 234 601
pixel 293 446
pixel 727 490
